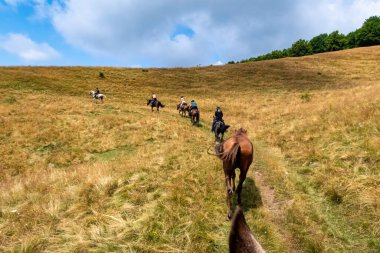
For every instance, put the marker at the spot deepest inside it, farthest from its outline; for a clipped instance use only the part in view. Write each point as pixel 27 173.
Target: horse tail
pixel 231 155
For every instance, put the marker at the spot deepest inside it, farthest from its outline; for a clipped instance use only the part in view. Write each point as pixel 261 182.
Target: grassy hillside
pixel 76 176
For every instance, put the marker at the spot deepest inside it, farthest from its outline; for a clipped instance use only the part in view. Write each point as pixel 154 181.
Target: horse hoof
pixel 229 215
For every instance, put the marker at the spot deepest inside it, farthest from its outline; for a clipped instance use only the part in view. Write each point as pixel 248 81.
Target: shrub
pixel 10 100
pixel 306 97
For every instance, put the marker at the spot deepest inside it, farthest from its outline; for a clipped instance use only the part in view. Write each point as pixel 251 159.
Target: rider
pixel 96 92
pixel 218 116
pixel 183 102
pixel 154 99
pixel 193 105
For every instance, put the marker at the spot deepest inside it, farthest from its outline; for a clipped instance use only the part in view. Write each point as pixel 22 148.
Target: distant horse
pixel 219 129
pixel 194 116
pixel 241 239
pixel 97 96
pixel 182 109
pixel 155 103
pixel 235 152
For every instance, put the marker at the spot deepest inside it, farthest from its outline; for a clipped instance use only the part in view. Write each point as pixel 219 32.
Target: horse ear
pixel 241 238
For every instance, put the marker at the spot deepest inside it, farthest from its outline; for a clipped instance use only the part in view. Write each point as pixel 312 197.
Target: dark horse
pixel 220 129
pixel 235 152
pixel 155 103
pixel 194 116
pixel 241 239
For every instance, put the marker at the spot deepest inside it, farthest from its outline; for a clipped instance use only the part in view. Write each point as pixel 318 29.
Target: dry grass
pixel 82 177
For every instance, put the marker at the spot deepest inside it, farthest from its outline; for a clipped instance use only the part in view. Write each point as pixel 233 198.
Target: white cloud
pixel 28 50
pixel 139 31
pixel 14 2
pixel 218 63
pixel 328 16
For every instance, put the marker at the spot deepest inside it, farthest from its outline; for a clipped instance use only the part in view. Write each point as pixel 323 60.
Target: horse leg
pixel 243 175
pixel 228 196
pixel 233 180
pixel 216 134
pixel 227 177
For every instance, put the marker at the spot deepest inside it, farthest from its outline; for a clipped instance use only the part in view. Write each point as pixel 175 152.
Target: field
pixel 78 176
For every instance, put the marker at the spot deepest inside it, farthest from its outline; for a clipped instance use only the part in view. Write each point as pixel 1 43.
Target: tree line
pixel 367 35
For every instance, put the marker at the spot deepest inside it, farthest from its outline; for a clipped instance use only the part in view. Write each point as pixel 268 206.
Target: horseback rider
pixel 193 105
pixel 218 116
pixel 182 103
pixel 154 99
pixel 97 92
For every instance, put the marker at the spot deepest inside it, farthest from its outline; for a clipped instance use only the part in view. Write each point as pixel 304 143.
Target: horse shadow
pixel 250 195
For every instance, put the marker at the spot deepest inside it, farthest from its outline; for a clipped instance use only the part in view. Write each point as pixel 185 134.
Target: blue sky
pixel 165 33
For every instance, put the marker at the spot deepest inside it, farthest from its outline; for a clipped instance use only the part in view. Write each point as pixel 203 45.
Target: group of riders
pixel 218 115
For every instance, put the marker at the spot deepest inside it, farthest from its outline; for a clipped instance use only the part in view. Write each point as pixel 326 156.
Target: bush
pixel 101 75
pixel 10 100
pixel 306 97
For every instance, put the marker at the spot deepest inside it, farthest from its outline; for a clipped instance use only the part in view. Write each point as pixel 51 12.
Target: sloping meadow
pixel 79 176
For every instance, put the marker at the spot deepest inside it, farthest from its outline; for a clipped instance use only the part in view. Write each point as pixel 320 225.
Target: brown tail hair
pixel 231 155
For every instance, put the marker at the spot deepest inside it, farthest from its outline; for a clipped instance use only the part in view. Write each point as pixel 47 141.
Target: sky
pixel 165 33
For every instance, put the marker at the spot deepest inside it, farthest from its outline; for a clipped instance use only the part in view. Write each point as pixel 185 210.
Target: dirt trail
pixel 270 163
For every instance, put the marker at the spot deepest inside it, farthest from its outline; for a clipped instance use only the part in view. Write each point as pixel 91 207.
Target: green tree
pixel 352 39
pixel 318 43
pixel 369 33
pixel 300 48
pixel 336 41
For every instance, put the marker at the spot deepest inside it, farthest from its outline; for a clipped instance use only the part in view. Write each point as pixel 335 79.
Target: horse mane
pixel 241 239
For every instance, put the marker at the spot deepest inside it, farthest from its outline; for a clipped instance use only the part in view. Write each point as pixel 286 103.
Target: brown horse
pixel 236 152
pixel 194 116
pixel 182 109
pixel 241 238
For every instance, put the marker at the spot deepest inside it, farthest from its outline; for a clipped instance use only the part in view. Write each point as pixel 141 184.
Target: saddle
pixel 194 110
pixel 153 102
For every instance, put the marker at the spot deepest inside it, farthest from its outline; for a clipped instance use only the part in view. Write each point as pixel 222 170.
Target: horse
pixel 219 129
pixel 182 109
pixel 97 96
pixel 235 152
pixel 241 239
pixel 155 103
pixel 194 115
